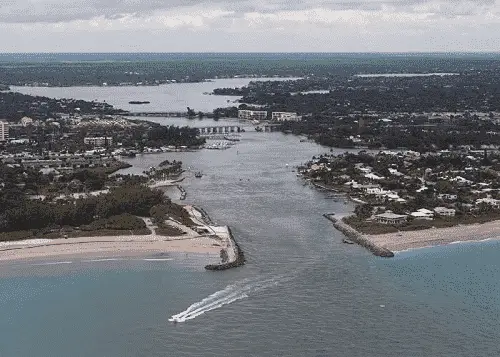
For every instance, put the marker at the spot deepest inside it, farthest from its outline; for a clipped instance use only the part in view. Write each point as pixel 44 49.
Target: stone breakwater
pixel 357 237
pixel 237 260
pixel 235 255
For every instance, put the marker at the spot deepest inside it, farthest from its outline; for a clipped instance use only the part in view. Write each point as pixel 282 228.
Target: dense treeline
pixel 474 91
pixel 173 135
pixel 14 106
pixel 154 69
pixel 18 213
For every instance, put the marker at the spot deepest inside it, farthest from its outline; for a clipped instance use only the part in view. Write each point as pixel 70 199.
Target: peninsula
pixel 411 200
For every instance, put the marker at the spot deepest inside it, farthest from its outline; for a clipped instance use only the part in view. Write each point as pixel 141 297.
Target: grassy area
pixel 169 231
pixel 361 225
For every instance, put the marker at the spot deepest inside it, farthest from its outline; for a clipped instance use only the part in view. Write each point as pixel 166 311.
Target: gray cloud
pixel 53 11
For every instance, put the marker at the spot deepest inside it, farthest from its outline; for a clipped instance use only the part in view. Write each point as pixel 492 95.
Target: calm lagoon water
pixel 302 292
pixel 169 97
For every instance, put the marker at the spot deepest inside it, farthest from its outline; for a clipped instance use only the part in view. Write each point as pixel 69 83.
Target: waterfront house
pixel 388 217
pixel 443 211
pixel 423 214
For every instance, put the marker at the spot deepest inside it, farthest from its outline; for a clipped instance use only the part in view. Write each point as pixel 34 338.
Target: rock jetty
pixel 237 261
pixel 357 237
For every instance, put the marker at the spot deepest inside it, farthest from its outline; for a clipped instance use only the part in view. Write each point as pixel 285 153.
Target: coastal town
pixel 412 166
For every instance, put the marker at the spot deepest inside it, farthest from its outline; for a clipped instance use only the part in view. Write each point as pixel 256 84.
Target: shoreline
pixel 110 245
pixel 385 245
pixel 212 243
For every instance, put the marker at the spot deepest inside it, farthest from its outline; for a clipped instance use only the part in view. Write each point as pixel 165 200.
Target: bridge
pixel 208 130
pixel 271 127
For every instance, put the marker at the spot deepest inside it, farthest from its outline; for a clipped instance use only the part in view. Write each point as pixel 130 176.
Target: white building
pixel 25 121
pixel 423 214
pixel 285 116
pixel 4 130
pixel 390 218
pixel 98 141
pixel 252 114
pixel 443 211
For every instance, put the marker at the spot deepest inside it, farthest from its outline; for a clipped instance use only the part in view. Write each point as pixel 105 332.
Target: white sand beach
pixel 432 237
pixel 117 245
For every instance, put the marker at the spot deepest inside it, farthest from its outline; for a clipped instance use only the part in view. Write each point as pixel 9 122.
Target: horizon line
pixel 263 52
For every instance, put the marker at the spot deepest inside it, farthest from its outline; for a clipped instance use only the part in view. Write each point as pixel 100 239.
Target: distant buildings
pixel 252 114
pixel 285 116
pixel 4 130
pixel 262 115
pixel 25 121
pixel 98 141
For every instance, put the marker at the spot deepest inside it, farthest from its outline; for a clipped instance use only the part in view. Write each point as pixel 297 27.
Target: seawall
pixel 237 259
pixel 239 256
pixel 358 237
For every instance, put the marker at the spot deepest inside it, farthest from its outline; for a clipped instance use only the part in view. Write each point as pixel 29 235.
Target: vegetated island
pixel 125 217
pixel 410 200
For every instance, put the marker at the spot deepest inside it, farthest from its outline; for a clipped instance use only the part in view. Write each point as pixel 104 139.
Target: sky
pixel 249 26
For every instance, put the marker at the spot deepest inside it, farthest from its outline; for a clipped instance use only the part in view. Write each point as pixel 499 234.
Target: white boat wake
pixel 226 296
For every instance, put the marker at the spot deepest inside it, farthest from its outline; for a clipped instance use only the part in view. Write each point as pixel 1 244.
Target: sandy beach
pixel 433 237
pixel 117 245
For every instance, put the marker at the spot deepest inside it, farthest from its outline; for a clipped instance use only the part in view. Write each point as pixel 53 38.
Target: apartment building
pixel 4 130
pixel 252 114
pixel 285 116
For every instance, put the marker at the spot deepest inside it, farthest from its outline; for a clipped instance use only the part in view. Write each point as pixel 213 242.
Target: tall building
pixel 4 130
pixel 252 114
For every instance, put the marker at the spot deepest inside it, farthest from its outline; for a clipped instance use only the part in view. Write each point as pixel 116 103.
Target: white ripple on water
pixel 52 263
pixel 229 294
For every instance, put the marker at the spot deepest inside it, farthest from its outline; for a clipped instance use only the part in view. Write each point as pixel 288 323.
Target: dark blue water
pixel 302 292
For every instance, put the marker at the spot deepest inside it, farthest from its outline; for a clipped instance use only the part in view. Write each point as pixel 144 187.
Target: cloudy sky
pixel 249 25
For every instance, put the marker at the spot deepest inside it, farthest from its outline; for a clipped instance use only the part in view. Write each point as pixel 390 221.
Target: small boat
pixel 347 241
pixel 139 102
pixel 198 174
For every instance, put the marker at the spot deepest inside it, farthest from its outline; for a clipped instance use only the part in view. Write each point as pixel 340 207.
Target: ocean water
pixel 301 293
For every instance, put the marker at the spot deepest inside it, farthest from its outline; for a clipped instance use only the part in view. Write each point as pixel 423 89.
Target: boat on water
pixel 198 174
pixel 139 102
